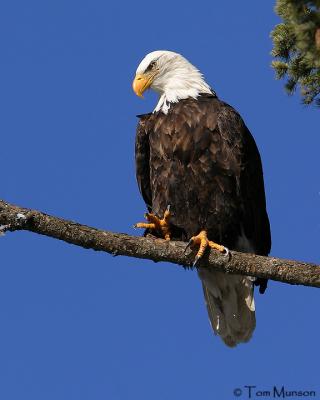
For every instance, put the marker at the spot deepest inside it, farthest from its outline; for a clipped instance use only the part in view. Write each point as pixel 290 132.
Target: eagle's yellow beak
pixel 141 83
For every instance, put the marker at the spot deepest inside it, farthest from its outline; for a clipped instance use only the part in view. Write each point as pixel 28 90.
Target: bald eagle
pixel 200 175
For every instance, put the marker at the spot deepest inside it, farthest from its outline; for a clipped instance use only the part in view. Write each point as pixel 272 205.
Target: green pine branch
pixel 296 47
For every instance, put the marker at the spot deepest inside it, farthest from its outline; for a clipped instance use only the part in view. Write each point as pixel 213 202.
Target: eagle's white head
pixel 170 75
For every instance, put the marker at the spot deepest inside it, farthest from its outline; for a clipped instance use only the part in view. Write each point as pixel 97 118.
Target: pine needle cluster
pixel 296 48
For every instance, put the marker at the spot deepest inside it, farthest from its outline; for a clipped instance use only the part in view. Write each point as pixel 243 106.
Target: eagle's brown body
pixel 201 159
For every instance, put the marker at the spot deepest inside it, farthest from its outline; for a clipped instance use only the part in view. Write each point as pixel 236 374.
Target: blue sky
pixel 75 324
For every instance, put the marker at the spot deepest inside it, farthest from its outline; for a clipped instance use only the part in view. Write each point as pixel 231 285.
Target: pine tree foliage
pixel 296 48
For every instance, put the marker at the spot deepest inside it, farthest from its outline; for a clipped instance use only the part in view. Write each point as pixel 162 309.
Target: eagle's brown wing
pixel 142 158
pixel 249 176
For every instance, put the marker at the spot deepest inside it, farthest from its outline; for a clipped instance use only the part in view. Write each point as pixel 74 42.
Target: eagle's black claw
pixel 226 252
pixel 195 261
pixel 188 245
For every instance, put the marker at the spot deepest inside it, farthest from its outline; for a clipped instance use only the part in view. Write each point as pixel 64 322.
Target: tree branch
pixel 15 218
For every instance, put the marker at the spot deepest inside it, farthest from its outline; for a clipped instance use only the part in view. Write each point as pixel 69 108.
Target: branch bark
pixel 14 218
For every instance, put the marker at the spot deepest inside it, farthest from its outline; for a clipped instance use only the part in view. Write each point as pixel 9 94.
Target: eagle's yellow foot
pixel 154 223
pixel 202 240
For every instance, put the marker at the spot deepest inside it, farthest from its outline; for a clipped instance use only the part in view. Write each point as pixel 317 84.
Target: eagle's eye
pixel 151 66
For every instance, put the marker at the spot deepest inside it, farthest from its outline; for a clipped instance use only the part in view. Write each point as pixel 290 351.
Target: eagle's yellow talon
pixel 202 240
pixel 144 225
pixel 154 223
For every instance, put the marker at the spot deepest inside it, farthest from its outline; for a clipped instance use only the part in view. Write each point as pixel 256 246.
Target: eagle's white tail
pixel 230 305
